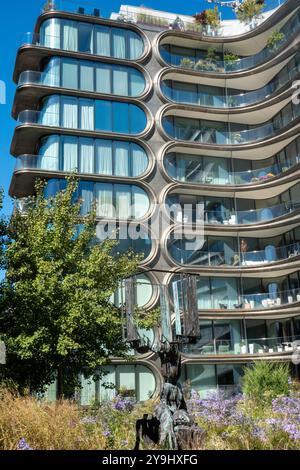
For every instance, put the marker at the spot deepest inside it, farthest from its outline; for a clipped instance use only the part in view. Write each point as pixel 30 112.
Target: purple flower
pixel 106 433
pixel 292 430
pixel 123 404
pixel 88 420
pixel 124 443
pixel 23 445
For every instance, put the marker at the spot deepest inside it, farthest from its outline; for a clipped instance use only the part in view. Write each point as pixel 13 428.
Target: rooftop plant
pixel 250 10
pixel 275 39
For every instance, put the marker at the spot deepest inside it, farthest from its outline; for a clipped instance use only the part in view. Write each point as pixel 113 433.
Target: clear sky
pixel 18 17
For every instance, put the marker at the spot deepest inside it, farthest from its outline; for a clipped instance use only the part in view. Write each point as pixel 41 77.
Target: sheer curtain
pixel 87 77
pixel 86 196
pixel 104 163
pixel 103 78
pixel 102 40
pixel 136 45
pixel 70 36
pixel 70 112
pixel 86 156
pixel 119 43
pixel 70 74
pixel 87 114
pixel 50 112
pixel 123 201
pixel 120 81
pixel 104 199
pixel 140 202
pixel 70 149
pixel 50 33
pixel 137 83
pixel 122 159
pixel 139 160
pixel 49 154
pixel 51 74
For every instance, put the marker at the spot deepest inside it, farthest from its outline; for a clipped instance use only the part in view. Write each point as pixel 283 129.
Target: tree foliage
pixel 57 291
pixel 249 10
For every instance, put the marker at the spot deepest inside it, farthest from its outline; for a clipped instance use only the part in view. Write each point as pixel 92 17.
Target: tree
pixel 58 315
pixel 250 10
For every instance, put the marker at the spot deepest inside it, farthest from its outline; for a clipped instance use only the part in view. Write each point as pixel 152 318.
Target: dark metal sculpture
pixel 170 425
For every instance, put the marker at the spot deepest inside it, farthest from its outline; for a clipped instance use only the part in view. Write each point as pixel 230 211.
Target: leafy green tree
pixel 58 285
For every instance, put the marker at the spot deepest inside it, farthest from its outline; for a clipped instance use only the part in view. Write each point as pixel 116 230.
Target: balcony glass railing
pixel 229 257
pixel 88 8
pixel 191 171
pixel 224 216
pixel 279 344
pixel 201 98
pixel 202 63
pixel 251 301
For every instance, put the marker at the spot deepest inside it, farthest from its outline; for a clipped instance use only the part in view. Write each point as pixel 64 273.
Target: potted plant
pixel 275 40
pixel 230 59
pixel 187 63
pixel 250 10
pixel 213 19
pixel 49 5
pixel 177 24
pixel 201 18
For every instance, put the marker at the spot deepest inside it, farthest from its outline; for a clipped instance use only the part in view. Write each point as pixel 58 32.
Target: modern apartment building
pixel 152 110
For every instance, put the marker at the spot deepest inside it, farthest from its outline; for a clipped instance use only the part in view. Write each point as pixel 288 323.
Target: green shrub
pixel 265 381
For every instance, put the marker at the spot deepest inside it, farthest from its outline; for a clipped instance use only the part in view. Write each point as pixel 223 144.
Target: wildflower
pixel 106 433
pixel 88 420
pixel 23 445
pixel 124 443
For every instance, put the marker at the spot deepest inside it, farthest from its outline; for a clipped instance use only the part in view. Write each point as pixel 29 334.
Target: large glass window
pixel 98 115
pixel 136 381
pixel 112 200
pixel 97 156
pixel 91 39
pixel 94 76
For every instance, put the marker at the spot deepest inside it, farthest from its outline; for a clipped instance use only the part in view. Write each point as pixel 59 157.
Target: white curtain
pixel 119 43
pixel 87 77
pixel 104 199
pixel 86 156
pixel 51 75
pixel 49 154
pixel 103 78
pixel 70 36
pixel 123 201
pixel 147 383
pixel 70 112
pixel 87 114
pixel 70 74
pixel 50 112
pixel 140 202
pixel 137 83
pixel 104 163
pixel 50 33
pixel 102 40
pixel 86 196
pixel 136 45
pixel 139 160
pixel 70 149
pixel 120 81
pixel 122 159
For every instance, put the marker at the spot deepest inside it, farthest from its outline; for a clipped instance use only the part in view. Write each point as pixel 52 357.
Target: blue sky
pixel 18 17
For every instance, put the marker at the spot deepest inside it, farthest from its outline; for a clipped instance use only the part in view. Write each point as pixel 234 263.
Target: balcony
pixel 194 59
pixel 229 258
pixel 250 346
pixel 197 95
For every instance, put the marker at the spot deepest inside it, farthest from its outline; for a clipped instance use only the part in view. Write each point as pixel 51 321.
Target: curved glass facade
pixel 102 40
pixel 143 292
pixel 203 169
pixel 213 96
pixel 223 133
pixel 90 115
pixel 89 76
pixel 201 60
pixel 235 251
pixel 189 208
pixel 220 293
pixel 123 201
pixel 83 155
pixel 135 380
